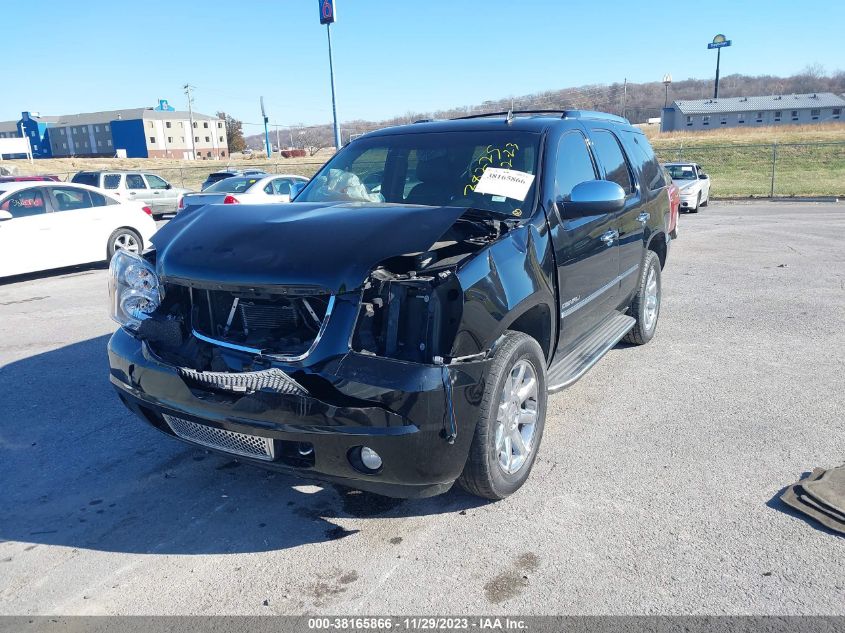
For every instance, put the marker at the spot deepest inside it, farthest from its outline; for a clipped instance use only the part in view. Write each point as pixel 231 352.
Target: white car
pixel 46 225
pixel 693 183
pixel 243 190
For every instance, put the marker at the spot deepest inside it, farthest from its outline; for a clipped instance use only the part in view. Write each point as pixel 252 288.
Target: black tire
pixel 697 204
pixel 483 475
pixel 115 238
pixel 644 329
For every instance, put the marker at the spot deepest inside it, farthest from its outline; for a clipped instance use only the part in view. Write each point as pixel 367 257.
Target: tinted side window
pixel 99 200
pixel 86 179
pixel 25 203
pixel 281 187
pixel 111 181
pixel 611 156
pixel 68 199
pixel 643 155
pixel 155 182
pixel 574 165
pixel 135 181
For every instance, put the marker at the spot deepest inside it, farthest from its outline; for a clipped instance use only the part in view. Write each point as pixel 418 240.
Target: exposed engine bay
pixel 411 304
pixel 410 309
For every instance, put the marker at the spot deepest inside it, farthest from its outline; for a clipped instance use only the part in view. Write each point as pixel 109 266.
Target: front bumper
pixel 688 202
pixel 396 408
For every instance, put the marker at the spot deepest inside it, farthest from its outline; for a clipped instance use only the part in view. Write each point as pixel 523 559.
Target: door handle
pixel 610 237
pixel 643 217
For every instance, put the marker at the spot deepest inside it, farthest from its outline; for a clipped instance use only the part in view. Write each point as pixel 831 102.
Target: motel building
pixel 159 132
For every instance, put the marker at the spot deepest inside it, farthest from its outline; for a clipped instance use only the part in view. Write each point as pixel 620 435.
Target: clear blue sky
pixel 390 57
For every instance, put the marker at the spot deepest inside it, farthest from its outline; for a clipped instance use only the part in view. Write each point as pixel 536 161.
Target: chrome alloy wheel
pixel 126 242
pixel 517 417
pixel 652 300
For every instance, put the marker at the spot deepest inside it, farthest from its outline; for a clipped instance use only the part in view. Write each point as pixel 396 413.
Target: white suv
pixel 154 191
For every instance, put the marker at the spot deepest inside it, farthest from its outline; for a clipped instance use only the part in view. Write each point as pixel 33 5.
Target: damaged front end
pixel 308 378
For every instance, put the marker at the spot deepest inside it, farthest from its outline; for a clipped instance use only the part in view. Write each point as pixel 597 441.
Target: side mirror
pixel 295 188
pixel 5 215
pixel 595 197
pixel 702 176
pixel 168 186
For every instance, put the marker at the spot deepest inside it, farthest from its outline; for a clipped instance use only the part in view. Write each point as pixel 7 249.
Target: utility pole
pixel 278 142
pixel 266 130
pixel 188 88
pixel 334 101
pixel 624 97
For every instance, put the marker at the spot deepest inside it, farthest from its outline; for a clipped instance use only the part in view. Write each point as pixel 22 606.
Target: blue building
pixel 159 132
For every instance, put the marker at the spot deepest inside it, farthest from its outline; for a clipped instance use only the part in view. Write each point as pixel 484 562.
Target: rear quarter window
pixel 640 152
pixel 87 179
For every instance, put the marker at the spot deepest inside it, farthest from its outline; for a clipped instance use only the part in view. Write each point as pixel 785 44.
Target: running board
pixel 571 367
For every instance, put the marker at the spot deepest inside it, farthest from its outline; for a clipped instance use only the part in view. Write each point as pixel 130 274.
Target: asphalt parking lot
pixel 655 491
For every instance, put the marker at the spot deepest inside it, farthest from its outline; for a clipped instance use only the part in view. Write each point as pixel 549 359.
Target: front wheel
pixel 512 416
pixel 697 203
pixel 123 239
pixel 645 307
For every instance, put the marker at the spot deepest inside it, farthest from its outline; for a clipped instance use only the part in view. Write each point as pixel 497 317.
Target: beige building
pixel 139 132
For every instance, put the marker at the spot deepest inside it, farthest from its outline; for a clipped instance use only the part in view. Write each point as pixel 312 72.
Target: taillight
pixel 147 210
pixel 181 204
pixel 231 200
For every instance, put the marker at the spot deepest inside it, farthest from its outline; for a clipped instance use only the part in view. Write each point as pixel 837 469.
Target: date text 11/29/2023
pixel 430 623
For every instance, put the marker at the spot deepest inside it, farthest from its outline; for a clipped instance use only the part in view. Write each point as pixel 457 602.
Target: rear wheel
pixel 123 239
pixel 645 307
pixel 510 427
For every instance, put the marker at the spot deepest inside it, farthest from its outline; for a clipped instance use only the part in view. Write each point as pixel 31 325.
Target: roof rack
pixel 564 114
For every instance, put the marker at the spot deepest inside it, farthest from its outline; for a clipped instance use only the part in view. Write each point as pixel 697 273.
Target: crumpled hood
pixel 332 246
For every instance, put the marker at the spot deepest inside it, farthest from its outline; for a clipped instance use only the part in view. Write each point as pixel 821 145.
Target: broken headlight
pixel 408 317
pixel 134 290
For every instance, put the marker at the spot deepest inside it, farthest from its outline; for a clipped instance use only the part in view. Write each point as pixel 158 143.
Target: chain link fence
pixel 736 171
pixel 767 171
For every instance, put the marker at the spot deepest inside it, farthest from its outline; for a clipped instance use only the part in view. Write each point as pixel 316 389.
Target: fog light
pixel 370 458
pixel 305 449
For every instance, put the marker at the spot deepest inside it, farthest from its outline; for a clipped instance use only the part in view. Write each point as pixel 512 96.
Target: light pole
pixel 719 42
pixel 327 17
pixel 667 79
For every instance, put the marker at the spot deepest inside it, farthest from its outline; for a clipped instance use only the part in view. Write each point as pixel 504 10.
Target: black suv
pixel 399 326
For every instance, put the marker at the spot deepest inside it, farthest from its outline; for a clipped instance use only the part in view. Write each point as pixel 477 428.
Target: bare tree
pixel 314 138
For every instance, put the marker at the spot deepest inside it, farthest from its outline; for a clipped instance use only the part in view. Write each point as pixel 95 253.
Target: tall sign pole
pixel 266 130
pixel 719 42
pixel 327 17
pixel 188 88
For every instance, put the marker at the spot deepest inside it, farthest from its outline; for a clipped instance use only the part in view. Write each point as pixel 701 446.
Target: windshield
pixel 489 170
pixel 681 172
pixel 235 184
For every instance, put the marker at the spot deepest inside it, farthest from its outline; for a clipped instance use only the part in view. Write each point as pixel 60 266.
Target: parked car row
pixel 45 223
pixel 243 189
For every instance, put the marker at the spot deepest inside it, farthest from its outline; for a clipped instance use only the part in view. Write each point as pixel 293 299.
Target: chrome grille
pixel 228 441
